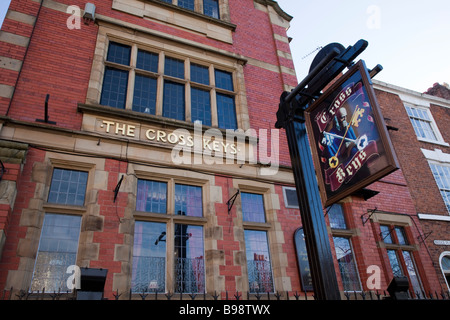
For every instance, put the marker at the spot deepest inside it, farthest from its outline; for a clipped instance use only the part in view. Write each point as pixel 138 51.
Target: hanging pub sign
pixel 349 141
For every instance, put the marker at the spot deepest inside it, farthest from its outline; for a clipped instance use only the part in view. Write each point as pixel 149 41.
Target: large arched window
pixel 302 259
pixel 444 262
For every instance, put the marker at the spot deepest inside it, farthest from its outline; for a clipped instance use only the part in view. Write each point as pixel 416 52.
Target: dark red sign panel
pixel 349 141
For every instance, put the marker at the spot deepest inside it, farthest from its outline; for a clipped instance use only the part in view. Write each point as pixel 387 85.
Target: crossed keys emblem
pixel 360 143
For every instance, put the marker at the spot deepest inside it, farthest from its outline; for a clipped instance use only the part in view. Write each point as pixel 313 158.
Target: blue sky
pixel 409 38
pixel 4 4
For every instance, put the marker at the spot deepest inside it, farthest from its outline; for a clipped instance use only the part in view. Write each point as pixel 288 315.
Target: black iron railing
pixel 13 294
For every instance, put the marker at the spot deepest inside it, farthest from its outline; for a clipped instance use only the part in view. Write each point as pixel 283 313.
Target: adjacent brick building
pixel 421 143
pixel 159 160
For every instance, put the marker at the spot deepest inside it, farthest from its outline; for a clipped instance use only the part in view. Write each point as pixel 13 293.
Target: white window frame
pixel 438 157
pixel 286 202
pixel 444 254
pixel 442 164
pixel 424 106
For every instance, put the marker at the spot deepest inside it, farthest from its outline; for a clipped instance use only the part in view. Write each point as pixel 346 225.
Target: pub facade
pixel 138 139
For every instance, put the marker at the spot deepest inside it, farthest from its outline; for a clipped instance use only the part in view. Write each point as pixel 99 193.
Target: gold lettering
pixel 216 146
pixel 225 147
pixel 172 138
pixel 120 128
pixel 206 144
pixel 182 141
pixel 108 125
pixel 190 141
pixel 130 130
pixel 161 136
pixel 148 132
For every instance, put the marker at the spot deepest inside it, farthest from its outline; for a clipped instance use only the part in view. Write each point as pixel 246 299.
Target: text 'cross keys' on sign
pixel 357 117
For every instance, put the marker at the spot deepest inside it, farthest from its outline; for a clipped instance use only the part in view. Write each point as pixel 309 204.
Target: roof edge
pixel 388 87
pixel 277 8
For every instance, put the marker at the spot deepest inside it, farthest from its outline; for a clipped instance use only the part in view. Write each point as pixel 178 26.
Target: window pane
pixel 57 251
pixel 114 91
pixel 445 262
pixel 423 114
pixel 173 101
pixel 401 235
pixel 347 265
pixel 421 123
pixel 119 53
pixel 174 68
pixel 413 276
pixel 302 259
pixel 258 261
pixel 189 259
pixel 147 61
pixel 386 234
pixel 441 174
pixel 291 197
pixel 151 196
pixel 252 207
pixel 423 129
pixel 226 111
pixel 200 106
pixel 336 216
pixel 211 8
pixel 68 187
pixel 446 196
pixel 395 264
pixel 199 74
pixel 408 110
pixel 144 99
pixel 187 4
pixel 224 80
pixel 188 200
pixel 149 257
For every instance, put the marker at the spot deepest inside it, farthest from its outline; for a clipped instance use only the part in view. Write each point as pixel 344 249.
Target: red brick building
pixel 158 159
pixel 421 143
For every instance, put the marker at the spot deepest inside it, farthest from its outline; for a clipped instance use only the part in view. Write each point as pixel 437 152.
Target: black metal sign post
pixel 329 62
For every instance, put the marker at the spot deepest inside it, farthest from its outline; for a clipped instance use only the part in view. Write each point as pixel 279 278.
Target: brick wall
pixel 420 182
pixel 17 243
pixel 414 165
pixel 109 238
pixel 58 61
pixel 439 90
